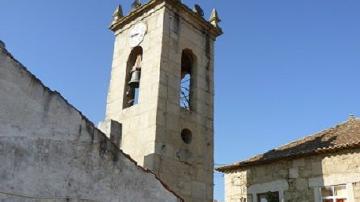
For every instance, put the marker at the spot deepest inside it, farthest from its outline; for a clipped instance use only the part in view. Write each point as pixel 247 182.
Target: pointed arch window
pixel 133 77
pixel 187 65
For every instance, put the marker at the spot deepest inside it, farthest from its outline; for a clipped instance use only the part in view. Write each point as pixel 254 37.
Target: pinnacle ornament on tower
pixel 214 18
pixel 118 14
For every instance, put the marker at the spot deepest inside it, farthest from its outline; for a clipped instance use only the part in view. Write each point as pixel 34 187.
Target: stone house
pixel 324 167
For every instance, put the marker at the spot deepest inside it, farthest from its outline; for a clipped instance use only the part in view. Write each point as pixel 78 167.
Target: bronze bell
pixel 135 73
pixel 135 78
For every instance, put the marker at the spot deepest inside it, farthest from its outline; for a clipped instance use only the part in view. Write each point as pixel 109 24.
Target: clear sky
pixel 284 69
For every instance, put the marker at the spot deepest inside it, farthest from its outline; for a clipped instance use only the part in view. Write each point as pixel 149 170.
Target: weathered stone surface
pixel 152 128
pixel 50 152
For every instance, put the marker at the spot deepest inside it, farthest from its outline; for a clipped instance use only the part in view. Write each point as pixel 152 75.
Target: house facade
pixel 324 167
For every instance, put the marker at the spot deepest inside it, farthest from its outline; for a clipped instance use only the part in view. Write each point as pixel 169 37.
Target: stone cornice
pixel 176 4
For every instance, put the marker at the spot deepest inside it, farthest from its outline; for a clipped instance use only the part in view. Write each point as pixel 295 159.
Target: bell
pixel 135 78
pixel 135 73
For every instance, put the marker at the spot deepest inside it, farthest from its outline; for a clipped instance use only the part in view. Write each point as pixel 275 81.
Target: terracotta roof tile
pixel 342 136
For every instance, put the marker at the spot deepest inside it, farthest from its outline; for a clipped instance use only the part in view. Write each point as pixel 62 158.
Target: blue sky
pixel 284 69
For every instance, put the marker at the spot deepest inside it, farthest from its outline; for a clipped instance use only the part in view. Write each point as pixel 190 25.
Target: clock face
pixel 137 34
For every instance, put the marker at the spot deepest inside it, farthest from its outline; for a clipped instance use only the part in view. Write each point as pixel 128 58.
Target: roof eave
pixel 246 164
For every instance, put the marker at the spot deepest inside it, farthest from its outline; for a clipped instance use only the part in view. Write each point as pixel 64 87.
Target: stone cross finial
pixel 118 13
pixel 136 4
pixel 214 18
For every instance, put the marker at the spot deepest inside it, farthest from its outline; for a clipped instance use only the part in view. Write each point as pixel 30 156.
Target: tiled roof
pixel 340 137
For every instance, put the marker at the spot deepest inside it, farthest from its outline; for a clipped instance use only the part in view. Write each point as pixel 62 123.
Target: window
pixel 133 76
pixel 334 193
pixel 269 197
pixel 187 63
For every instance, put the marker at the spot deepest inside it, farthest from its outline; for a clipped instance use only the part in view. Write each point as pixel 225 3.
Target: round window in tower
pixel 186 136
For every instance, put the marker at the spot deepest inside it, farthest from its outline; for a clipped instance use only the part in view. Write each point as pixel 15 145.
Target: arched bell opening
pixel 186 84
pixel 133 77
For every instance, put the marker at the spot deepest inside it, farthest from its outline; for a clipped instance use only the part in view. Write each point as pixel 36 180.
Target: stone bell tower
pixel 161 92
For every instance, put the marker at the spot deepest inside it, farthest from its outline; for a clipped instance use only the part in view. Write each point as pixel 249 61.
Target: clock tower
pixel 160 105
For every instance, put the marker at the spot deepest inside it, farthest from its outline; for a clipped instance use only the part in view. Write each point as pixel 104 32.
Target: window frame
pixel 273 186
pixel 259 195
pixel 334 197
